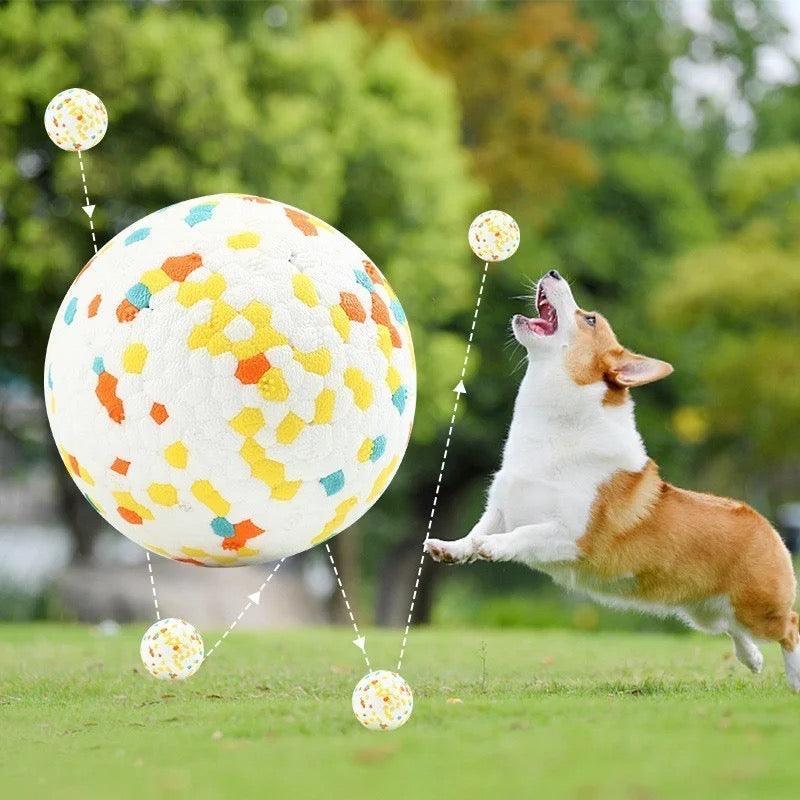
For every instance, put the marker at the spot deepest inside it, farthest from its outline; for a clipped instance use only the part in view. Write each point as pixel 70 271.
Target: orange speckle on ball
pixel 91 311
pixel 129 516
pixel 121 466
pixel 250 370
pixel 159 413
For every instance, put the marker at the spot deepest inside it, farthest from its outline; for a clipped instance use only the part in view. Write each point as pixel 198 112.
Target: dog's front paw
pixel 491 548
pixel 458 552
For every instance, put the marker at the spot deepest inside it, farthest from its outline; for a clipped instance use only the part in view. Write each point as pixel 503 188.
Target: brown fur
pixel 680 546
pixel 592 354
pixel 592 350
pixel 684 546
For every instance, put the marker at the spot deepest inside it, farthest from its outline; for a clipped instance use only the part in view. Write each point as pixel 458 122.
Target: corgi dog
pixel 578 498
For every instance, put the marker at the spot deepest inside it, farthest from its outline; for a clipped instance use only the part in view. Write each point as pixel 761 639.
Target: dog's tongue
pixel 541 326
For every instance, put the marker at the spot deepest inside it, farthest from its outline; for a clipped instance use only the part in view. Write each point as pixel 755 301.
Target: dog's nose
pixel 554 274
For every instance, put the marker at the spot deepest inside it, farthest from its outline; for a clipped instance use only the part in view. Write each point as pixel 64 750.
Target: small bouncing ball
pixel 494 236
pixel 172 650
pixel 76 119
pixel 382 701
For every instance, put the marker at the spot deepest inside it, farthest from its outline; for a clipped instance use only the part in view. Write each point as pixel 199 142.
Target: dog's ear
pixel 631 369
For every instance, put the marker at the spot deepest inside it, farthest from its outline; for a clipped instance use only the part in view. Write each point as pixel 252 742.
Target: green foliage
pixel 206 99
pixel 512 65
pixel 361 134
pixel 762 186
pixel 731 311
pixel 778 114
pixel 18 605
pixel 627 73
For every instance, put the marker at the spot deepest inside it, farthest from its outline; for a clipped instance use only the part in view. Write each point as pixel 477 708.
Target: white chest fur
pixel 563 443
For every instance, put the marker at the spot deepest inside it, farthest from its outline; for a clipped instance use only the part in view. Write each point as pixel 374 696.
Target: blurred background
pixel 649 150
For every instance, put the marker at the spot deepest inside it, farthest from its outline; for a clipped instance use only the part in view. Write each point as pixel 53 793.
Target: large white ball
pixel 230 380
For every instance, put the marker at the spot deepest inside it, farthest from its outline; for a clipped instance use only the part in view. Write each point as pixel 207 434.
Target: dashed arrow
pixel 89 210
pixel 360 643
pixel 255 597
pixel 459 390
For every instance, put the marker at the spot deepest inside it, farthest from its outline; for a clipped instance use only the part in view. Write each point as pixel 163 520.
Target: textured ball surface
pixel 230 380
pixel 172 650
pixel 76 119
pixel 382 701
pixel 494 236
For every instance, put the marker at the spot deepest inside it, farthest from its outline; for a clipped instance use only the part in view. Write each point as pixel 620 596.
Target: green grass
pixel 544 714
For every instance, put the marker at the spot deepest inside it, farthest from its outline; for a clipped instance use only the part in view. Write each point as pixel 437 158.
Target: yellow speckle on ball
pixel 243 241
pixel 382 701
pixel 305 290
pixel 248 422
pixel 165 494
pixel 176 455
pixel 289 428
pixel 134 357
pixel 172 650
pixel 494 236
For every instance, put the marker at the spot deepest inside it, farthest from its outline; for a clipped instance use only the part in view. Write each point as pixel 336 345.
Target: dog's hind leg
pixel 765 617
pixel 790 644
pixel 791 660
pixel 746 650
pixel 715 615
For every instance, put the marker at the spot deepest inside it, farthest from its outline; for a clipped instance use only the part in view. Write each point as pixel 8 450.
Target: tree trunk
pixel 396 580
pixel 346 550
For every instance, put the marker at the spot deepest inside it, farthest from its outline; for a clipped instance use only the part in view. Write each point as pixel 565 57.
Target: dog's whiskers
pixel 519 364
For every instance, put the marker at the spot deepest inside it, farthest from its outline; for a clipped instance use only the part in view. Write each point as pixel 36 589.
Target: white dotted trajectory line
pixel 89 209
pixel 442 466
pixel 347 605
pixel 252 600
pixel 88 206
pixel 152 584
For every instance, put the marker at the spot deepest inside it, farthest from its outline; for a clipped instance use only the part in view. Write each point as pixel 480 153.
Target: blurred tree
pixel 568 113
pixel 669 185
pixel 512 66
pixel 730 44
pixel 358 132
pixel 730 309
pixel 778 115
pixel 649 202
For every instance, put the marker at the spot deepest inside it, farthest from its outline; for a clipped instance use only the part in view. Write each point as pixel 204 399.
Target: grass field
pixel 545 714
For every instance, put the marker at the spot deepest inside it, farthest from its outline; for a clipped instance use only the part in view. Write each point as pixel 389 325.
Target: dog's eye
pixel 590 319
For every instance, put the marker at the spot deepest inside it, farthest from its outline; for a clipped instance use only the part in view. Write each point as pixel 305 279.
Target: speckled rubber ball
pixel 76 119
pixel 494 236
pixel 171 650
pixel 382 701
pixel 230 380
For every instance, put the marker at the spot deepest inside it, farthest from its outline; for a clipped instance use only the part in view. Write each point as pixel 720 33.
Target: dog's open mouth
pixel 546 324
